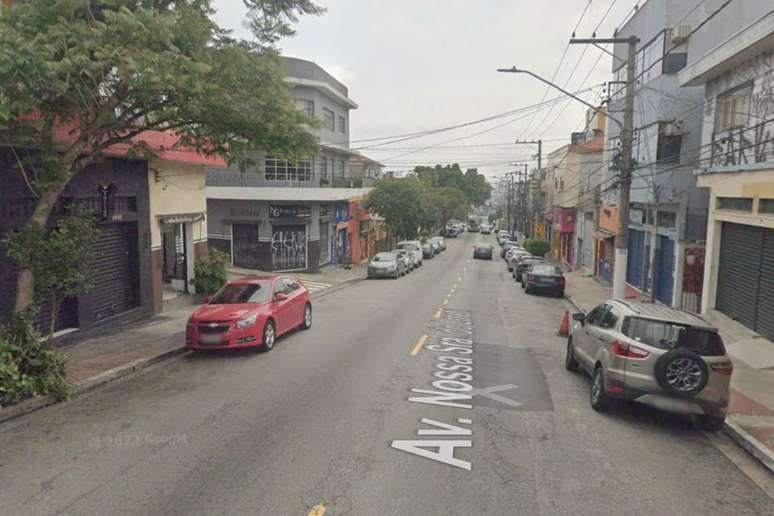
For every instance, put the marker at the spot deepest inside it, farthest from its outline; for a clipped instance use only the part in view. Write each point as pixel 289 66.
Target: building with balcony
pixel 734 61
pixel 667 210
pixel 285 216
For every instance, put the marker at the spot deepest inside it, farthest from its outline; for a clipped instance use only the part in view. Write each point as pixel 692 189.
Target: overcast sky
pixel 420 65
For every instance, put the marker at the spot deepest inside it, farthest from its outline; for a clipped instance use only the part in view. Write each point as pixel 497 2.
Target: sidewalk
pixel 122 350
pixel 750 419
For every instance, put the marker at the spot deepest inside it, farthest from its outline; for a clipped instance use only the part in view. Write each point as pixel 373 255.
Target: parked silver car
pixel 407 257
pixel 652 354
pixel 414 247
pixel 387 265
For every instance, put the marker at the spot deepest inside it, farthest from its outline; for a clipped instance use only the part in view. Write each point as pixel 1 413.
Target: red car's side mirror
pixel 279 296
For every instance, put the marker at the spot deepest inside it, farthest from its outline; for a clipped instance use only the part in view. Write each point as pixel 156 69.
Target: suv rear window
pixel 666 335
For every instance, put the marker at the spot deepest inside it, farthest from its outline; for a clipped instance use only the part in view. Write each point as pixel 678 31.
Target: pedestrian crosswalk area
pixel 314 286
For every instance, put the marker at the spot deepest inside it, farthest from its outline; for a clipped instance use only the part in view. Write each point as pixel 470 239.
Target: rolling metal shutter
pixel 634 275
pixel 765 315
pixel 246 252
pixel 746 276
pixel 115 266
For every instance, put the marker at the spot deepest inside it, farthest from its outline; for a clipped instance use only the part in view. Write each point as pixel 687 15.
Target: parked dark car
pixel 427 250
pixel 387 265
pixel 451 232
pixel 544 277
pixel 523 265
pixel 482 251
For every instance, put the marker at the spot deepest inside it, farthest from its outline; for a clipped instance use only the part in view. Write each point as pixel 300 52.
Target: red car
pixel 250 312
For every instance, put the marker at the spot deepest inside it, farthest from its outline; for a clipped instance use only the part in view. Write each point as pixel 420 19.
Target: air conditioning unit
pixel 681 33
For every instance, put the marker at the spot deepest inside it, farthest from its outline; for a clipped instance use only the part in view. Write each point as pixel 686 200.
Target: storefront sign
pixel 247 212
pixel 279 211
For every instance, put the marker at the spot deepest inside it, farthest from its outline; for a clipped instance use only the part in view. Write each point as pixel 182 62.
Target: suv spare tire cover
pixel 687 376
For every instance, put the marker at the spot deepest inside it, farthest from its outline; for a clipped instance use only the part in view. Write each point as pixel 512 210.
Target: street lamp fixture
pixel 513 69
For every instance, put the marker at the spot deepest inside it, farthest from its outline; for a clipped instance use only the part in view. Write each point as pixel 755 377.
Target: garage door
pixel 288 248
pixel 115 267
pixel 246 246
pixel 746 276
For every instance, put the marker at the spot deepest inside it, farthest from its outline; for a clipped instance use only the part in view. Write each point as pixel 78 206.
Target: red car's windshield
pixel 242 293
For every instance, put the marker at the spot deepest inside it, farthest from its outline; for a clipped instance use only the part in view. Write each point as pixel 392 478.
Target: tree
pixel 476 188
pixel 449 203
pixel 79 76
pixel 61 261
pixel 400 202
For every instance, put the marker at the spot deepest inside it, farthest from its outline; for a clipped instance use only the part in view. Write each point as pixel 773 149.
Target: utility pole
pixel 625 180
pixel 539 143
pixel 509 199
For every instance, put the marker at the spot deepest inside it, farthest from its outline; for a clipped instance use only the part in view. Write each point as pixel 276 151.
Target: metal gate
pixel 746 276
pixel 325 245
pixel 115 268
pixel 245 242
pixel 665 268
pixel 288 248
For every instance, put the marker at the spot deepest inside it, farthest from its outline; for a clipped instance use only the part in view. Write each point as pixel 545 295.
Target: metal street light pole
pixel 627 134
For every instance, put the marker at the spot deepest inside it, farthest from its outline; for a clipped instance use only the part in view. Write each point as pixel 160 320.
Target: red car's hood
pixel 232 312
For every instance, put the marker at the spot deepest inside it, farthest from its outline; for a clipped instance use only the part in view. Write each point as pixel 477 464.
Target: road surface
pixel 440 393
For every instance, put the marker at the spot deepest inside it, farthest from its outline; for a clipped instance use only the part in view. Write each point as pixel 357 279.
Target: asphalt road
pixel 346 419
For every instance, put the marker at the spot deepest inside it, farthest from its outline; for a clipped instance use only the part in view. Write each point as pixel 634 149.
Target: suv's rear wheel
pixel 570 362
pixel 682 372
pixel 599 398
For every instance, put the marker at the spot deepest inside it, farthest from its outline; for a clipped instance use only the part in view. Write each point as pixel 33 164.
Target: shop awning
pixel 181 218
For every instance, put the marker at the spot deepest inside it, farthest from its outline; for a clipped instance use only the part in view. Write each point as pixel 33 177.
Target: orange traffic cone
pixel 564 329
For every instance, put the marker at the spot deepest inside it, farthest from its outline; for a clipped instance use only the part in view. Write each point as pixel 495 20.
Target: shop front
pixel 564 236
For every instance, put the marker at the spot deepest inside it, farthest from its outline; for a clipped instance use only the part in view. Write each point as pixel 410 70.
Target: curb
pixel 31 405
pixel 750 444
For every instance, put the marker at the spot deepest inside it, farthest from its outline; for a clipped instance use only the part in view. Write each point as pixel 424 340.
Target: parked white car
pixel 415 247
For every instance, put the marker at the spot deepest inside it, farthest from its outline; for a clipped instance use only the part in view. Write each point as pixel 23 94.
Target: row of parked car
pixel 532 272
pixel 407 256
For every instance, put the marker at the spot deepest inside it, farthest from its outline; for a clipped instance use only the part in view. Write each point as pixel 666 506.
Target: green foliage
pixel 400 202
pixel 476 188
pixel 537 247
pixel 210 270
pixel 446 203
pixel 60 258
pixel 27 368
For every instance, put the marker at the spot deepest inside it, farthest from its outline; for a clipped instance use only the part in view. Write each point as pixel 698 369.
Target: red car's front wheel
pixel 269 336
pixel 307 317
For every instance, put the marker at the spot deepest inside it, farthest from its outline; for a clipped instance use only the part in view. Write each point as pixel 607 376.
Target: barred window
pixel 283 170
pixel 735 203
pixel 306 106
pixel 329 119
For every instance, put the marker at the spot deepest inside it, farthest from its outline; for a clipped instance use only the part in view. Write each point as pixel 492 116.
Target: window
pixel 609 320
pixel 324 167
pixel 340 169
pixel 673 63
pixel 766 206
pixel 342 124
pixel 667 219
pixel 733 109
pixel 282 170
pixel 669 144
pixel 329 119
pixel 734 203
pixel 667 335
pixel 596 315
pixel 244 293
pixel 305 105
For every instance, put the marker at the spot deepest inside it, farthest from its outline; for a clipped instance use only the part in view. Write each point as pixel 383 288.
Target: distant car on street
pixel 250 312
pixel 482 251
pixel 507 246
pixel 516 257
pixel 414 247
pixel 427 250
pixel 440 241
pixel 544 277
pixel 524 263
pixel 486 229
pixel 652 354
pixel 473 226
pixel 451 232
pixel 387 265
pixel 407 257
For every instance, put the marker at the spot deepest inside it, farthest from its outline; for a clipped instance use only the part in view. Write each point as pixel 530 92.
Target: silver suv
pixel 652 354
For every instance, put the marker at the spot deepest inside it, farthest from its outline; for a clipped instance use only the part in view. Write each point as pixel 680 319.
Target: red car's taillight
pixel 628 351
pixel 724 368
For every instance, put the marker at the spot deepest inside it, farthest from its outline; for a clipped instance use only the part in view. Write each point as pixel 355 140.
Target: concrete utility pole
pixel 625 181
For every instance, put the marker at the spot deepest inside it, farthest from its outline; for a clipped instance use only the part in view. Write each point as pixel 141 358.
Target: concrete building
pixel 734 60
pixel 283 216
pixel 668 210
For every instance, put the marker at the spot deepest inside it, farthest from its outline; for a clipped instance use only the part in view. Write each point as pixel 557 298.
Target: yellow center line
pixel 418 345
pixel 438 314
pixel 317 510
